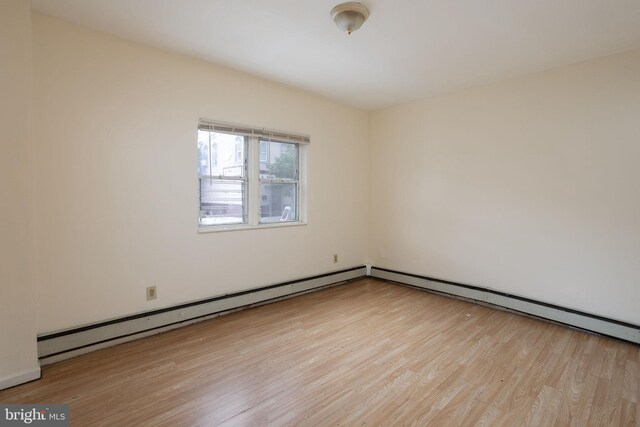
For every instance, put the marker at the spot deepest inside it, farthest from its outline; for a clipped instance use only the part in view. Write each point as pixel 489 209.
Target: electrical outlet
pixel 152 293
pixel 335 258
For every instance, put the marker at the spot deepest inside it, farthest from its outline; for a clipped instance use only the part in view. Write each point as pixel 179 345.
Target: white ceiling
pixel 408 49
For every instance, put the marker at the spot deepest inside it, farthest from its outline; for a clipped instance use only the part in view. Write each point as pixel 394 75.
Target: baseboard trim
pixel 567 316
pixel 56 346
pixel 20 378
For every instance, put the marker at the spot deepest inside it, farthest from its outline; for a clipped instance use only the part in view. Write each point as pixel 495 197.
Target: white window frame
pixel 252 171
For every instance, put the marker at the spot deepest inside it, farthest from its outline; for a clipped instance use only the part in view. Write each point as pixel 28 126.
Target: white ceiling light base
pixel 349 16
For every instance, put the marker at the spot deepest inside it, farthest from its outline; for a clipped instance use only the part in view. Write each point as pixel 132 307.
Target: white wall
pixel 116 181
pixel 528 186
pixel 18 361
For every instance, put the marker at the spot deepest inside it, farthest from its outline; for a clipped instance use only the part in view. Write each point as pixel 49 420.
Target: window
pixel 249 177
pixel 222 178
pixel 279 182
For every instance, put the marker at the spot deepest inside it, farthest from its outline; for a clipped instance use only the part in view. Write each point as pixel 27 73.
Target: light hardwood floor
pixel 367 352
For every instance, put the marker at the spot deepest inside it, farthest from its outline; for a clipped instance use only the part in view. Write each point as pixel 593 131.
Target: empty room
pixel 310 213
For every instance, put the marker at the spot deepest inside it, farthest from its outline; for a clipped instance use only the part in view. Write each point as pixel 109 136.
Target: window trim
pixel 238 227
pixel 206 124
pixel 252 171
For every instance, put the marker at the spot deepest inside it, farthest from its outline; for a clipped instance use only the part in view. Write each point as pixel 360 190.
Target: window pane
pixel 264 151
pixel 221 154
pixel 281 160
pixel 278 202
pixel 203 153
pixel 221 201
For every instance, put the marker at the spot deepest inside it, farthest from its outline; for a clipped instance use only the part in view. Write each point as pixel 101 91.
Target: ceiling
pixel 408 49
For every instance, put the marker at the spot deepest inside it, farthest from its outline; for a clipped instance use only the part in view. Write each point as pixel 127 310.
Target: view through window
pixel 247 179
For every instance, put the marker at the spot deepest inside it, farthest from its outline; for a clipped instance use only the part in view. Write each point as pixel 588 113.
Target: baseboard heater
pixel 53 347
pixel 567 316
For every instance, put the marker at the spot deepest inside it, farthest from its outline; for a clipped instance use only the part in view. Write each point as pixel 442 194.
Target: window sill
pixel 239 227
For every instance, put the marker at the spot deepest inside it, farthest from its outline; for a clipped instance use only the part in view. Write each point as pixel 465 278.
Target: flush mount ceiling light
pixel 349 16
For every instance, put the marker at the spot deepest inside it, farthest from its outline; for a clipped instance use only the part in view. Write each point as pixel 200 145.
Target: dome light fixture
pixel 349 16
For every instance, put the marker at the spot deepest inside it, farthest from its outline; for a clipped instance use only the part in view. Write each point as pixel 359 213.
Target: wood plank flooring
pixel 367 352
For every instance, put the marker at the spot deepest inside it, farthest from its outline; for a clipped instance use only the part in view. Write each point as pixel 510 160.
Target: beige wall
pixel 528 186
pixel 18 360
pixel 116 181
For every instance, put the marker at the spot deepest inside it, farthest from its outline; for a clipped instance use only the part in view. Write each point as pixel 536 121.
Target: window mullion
pixel 253 204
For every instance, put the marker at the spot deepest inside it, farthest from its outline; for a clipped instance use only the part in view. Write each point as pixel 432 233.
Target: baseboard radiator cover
pixel 567 316
pixel 56 346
